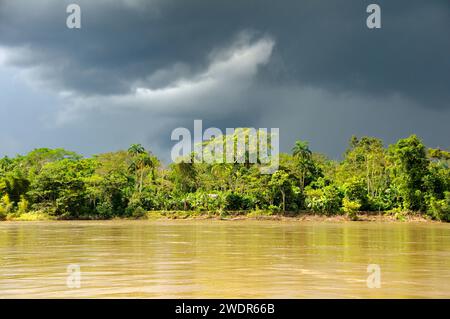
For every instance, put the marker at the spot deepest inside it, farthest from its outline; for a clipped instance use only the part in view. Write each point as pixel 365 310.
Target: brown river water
pixel 223 259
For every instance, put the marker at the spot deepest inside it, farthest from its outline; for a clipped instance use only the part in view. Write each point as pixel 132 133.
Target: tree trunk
pixel 141 181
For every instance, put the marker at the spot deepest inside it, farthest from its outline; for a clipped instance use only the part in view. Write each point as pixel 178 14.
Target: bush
pixel 23 206
pixel 6 206
pixel 382 202
pixel 138 213
pixel 31 216
pixel 274 209
pixel 2 213
pixel 235 201
pixel 440 209
pixel 326 200
pixel 135 204
pixel 351 208
pixel 356 191
pixel 104 209
pixel 44 208
pixel 203 201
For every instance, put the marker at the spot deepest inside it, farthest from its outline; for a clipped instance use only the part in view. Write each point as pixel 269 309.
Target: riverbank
pixel 294 216
pixel 242 215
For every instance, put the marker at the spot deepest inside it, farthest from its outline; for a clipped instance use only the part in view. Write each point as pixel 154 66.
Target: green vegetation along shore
pixel 404 179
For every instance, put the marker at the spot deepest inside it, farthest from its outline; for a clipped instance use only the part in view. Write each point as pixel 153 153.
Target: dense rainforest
pixel 55 183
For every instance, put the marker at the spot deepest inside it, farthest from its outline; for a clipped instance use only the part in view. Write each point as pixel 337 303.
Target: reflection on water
pixel 246 259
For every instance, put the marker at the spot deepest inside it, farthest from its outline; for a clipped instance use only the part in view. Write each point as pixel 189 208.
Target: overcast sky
pixel 137 69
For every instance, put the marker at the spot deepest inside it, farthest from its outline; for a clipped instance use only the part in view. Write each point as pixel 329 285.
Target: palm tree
pixel 136 149
pixel 303 155
pixel 140 161
pixel 301 149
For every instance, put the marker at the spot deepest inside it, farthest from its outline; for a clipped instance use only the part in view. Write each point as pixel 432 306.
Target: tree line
pixel 403 177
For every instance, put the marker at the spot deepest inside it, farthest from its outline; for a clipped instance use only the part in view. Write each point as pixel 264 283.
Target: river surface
pixel 228 259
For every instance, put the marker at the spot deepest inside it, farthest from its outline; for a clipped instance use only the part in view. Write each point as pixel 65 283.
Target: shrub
pixel 138 213
pixel 44 208
pixel 135 204
pixel 6 206
pixel 234 201
pixel 356 191
pixel 440 209
pixel 2 213
pixel 274 209
pixel 31 216
pixel 104 209
pixel 203 201
pixel 23 206
pixel 326 200
pixel 382 202
pixel 400 215
pixel 351 208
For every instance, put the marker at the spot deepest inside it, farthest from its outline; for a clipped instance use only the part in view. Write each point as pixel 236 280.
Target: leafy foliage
pixel 129 183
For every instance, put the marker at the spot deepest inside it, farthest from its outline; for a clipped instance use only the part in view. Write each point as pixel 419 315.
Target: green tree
pixel 303 159
pixel 409 168
pixel 142 163
pixel 365 159
pixel 280 183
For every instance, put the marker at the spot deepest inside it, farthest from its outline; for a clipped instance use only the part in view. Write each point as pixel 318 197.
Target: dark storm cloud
pixel 310 59
pixel 319 43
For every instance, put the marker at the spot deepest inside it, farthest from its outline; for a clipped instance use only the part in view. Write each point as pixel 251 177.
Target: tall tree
pixel 142 162
pixel 303 157
pixel 409 169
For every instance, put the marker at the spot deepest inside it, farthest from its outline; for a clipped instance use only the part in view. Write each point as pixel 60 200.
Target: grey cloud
pixel 327 75
pixel 319 43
